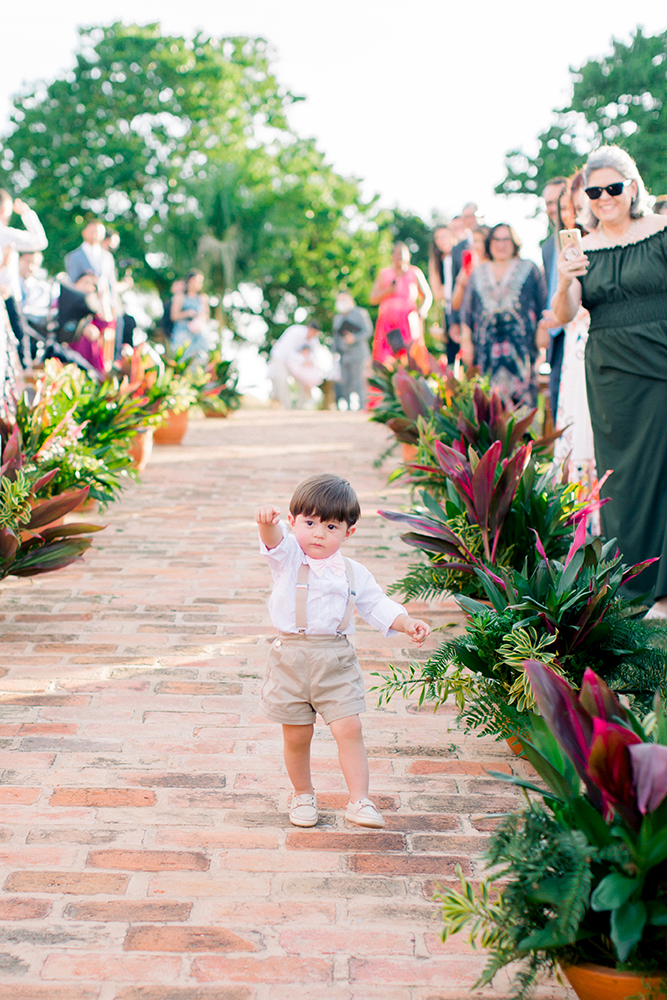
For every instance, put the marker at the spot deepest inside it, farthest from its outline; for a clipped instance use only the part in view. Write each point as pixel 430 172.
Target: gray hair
pixel 615 158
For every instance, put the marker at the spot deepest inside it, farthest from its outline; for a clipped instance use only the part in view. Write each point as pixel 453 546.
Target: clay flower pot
pixel 515 745
pixel 594 982
pixel 173 429
pixel 140 448
pixel 408 452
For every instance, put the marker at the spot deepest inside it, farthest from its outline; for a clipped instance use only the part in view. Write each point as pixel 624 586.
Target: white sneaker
pixel 364 813
pixel 303 810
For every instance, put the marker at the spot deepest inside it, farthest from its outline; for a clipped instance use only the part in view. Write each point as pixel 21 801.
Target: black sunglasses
pixel 612 189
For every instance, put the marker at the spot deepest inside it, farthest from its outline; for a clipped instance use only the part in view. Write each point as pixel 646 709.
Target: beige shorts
pixel 307 674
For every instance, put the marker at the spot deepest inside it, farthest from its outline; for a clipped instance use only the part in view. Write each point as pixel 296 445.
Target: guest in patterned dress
pixel 501 310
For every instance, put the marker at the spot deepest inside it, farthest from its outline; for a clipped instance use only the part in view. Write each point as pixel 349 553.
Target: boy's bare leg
pixel 296 749
pixel 352 755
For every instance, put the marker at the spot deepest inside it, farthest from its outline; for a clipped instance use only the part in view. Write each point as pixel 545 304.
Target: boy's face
pixel 319 539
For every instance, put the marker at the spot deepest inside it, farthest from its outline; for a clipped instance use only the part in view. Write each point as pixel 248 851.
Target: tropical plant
pixel 580 874
pixel 30 543
pixel 215 384
pixel 569 614
pixel 493 507
pixel 58 418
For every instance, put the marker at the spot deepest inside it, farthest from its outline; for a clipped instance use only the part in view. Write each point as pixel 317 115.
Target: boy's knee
pixel 347 728
pixel 297 736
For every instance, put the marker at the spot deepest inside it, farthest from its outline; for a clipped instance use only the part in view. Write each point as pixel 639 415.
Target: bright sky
pixel 420 98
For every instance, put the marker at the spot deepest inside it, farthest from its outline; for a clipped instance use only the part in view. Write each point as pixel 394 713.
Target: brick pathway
pixel 146 849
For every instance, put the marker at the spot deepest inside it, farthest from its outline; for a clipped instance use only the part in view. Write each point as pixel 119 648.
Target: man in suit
pixel 552 195
pixel 92 256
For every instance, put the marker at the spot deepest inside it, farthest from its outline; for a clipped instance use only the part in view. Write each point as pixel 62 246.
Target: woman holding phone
pixel 620 276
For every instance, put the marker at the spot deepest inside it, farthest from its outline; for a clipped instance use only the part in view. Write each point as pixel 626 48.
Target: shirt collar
pixel 336 563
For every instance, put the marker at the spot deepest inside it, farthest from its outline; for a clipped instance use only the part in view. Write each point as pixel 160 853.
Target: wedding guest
pixel 352 329
pixel 404 297
pixel 190 315
pixel 501 309
pixel 621 279
pixel 13 242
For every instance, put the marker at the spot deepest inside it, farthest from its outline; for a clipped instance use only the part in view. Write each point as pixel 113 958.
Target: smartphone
pixel 570 241
pixel 467 261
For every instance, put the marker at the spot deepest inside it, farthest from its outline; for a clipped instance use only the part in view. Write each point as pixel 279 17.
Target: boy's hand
pixel 268 522
pixel 417 629
pixel 267 515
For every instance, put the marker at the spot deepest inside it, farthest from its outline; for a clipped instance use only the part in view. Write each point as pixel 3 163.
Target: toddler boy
pixel 312 664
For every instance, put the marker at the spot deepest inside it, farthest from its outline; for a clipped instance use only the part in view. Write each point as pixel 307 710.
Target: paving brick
pixel 102 797
pixel 107 967
pixel 186 939
pixel 25 991
pixel 208 968
pixel 24 909
pixel 208 688
pixel 186 993
pixel 157 780
pixel 346 941
pixel 20 796
pixel 148 861
pixel 324 840
pixel 71 883
pixel 416 864
pixel 128 910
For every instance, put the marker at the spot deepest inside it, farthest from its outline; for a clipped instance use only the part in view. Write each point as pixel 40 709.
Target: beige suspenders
pixel 302 597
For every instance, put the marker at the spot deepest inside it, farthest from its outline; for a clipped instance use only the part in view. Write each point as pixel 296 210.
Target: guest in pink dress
pixel 404 297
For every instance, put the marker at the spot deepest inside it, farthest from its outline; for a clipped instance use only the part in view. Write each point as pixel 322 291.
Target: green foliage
pixel 620 99
pixel 183 145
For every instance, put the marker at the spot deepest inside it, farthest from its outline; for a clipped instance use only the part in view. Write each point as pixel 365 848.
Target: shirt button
pixel 277 643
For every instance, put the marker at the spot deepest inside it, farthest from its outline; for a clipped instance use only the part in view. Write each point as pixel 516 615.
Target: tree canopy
pixel 184 146
pixel 620 99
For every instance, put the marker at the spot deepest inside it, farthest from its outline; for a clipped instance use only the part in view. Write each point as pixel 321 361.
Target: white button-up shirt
pixel 327 594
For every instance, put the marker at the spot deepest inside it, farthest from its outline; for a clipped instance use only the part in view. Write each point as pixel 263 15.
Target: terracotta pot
pixel 140 448
pixel 597 982
pixel 408 452
pixel 515 745
pixel 216 414
pixel 173 429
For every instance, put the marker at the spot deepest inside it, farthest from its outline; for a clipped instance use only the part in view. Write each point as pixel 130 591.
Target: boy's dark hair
pixel 328 497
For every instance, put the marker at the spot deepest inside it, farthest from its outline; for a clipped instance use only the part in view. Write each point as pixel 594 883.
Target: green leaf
pixel 656 914
pixel 613 891
pixel 627 927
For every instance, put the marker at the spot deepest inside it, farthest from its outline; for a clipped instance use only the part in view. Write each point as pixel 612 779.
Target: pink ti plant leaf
pixel 539 546
pixel 505 491
pixel 558 705
pixel 649 770
pixel 578 541
pixel 609 767
pixel 598 700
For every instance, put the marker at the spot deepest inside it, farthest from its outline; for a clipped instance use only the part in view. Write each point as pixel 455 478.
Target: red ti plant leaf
pixel 569 721
pixel 482 484
pixel 519 429
pixel 43 481
pixel 458 468
pixel 578 541
pixel 12 458
pixel 598 700
pixel 46 511
pixel 609 767
pixel 638 568
pixel 539 546
pixel 649 770
pixel 9 544
pixel 412 402
pixel 505 491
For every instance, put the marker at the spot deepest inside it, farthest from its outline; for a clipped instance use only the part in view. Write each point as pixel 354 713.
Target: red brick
pixel 149 861
pixel 411 864
pixel 186 993
pixel 176 780
pixel 47 700
pixel 354 941
pixel 19 796
pixel 419 821
pixel 211 968
pixel 206 688
pixel 24 909
pixel 454 972
pixel 364 840
pixel 339 800
pixel 22 991
pixel 71 883
pixel 467 767
pixel 48 728
pixel 108 967
pixel 128 910
pixel 101 798
pixel 182 939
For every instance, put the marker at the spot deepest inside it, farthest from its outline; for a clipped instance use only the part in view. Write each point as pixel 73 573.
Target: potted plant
pixel 578 877
pixel 33 538
pixel 172 390
pixel 570 614
pixel 215 385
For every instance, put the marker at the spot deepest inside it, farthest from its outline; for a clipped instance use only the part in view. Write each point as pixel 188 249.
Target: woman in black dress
pixel 621 278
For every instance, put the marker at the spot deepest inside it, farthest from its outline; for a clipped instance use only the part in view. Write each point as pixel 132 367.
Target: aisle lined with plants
pixel 579 876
